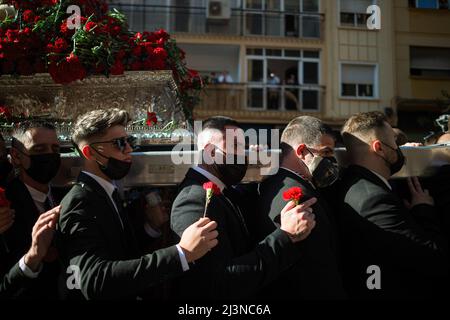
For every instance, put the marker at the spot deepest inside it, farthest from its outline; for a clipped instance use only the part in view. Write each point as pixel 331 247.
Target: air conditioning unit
pixel 218 9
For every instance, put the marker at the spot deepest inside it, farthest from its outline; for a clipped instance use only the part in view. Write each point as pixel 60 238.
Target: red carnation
pixel 211 189
pixel 160 53
pixel 5 112
pixel 4 202
pixel 293 194
pixel 90 26
pixel 118 68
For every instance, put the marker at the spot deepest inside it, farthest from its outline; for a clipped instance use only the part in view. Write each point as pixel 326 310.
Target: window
pixel 353 12
pixel 291 18
pixel 430 4
pixel 281 79
pixel 430 62
pixel 358 80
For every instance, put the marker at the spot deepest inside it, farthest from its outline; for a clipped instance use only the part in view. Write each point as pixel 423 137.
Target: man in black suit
pixel 237 268
pixel 18 278
pixel 97 243
pixel 403 242
pixel 35 156
pixel 306 162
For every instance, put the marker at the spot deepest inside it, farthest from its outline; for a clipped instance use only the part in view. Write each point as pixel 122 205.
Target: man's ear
pixel 86 151
pixel 299 151
pixel 376 146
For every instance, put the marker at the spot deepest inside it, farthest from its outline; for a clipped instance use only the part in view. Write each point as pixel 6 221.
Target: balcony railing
pixel 240 96
pixel 242 22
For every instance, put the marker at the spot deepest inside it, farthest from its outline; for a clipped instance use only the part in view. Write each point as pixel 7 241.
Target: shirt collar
pixel 108 186
pixel 211 177
pixel 37 195
pixel 382 179
pixel 300 176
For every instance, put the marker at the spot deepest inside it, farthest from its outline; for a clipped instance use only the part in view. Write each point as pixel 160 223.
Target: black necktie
pixel 126 225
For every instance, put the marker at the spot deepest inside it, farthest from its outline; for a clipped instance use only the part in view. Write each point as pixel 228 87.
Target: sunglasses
pixel 121 143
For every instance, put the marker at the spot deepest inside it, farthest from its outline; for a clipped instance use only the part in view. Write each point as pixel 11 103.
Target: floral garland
pixel 39 39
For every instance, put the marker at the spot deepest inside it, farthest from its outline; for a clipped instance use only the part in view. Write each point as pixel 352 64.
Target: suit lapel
pixel 98 190
pixel 226 201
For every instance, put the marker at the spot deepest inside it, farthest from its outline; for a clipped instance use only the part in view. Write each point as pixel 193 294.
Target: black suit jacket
pixel 13 283
pixel 18 240
pixel 90 237
pixel 234 268
pixel 317 275
pixel 377 229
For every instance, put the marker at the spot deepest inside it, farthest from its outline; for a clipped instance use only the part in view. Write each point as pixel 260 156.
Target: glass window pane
pixel 310 99
pixel 273 98
pixel 273 52
pixel 254 52
pixel 255 71
pixel 273 24
pixel 427 4
pixel 311 27
pixel 292 53
pixel 254 23
pixel 361 19
pixel 365 90
pixel 254 4
pixel 348 90
pixel 310 5
pixel 255 98
pixel 347 19
pixel 292 6
pixel 291 25
pixel 311 54
pixel 310 72
pixel 273 5
pixel 291 99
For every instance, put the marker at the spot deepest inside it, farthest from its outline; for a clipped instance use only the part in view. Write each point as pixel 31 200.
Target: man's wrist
pixel 32 261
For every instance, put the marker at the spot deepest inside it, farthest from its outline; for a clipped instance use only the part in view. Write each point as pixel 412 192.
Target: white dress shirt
pixel 110 188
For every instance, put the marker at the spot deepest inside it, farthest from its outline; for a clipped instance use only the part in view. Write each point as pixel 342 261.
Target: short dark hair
pixel 96 122
pixel 361 123
pixel 305 129
pixel 19 133
pixel 219 123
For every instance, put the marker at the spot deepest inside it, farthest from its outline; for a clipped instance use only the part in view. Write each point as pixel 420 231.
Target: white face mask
pixel 324 171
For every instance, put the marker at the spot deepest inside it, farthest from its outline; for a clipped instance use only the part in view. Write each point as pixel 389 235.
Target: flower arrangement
pixel 41 37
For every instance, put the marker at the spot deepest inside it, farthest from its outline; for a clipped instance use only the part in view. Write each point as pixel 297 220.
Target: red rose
pixel 28 16
pixel 160 53
pixel 4 202
pixel 151 119
pixel 293 194
pixel 5 112
pixel 118 68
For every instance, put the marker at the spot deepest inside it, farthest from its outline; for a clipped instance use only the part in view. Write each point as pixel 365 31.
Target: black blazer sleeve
pixel 402 236
pixel 102 277
pixel 224 273
pixel 13 282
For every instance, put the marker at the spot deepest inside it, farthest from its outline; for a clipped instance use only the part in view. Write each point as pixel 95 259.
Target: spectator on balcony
pixel 274 91
pixel 225 77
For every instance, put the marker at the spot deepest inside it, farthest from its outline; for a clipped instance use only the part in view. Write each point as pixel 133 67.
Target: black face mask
pixel 399 163
pixel 324 170
pixel 5 168
pixel 232 174
pixel 44 167
pixel 115 169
